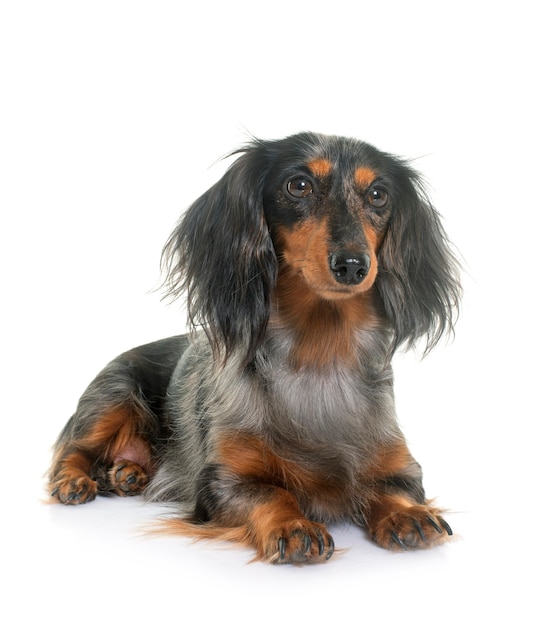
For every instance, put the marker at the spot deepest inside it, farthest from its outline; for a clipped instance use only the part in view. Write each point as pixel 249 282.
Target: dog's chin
pixel 337 292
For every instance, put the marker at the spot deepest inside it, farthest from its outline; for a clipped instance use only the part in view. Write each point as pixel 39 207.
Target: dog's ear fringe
pixel 221 257
pixel 419 271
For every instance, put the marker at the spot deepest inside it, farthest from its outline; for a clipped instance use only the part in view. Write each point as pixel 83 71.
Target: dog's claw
pixel 282 548
pixel 330 551
pixel 398 541
pixel 436 526
pixel 446 527
pixel 321 545
pixel 419 530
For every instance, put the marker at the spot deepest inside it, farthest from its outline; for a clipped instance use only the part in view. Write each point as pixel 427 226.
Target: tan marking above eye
pixel 320 167
pixel 364 177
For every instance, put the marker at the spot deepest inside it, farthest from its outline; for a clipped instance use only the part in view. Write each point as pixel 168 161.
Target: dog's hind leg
pixel 111 443
pixel 105 455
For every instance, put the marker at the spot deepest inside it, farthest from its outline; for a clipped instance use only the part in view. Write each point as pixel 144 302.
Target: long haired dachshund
pixel 304 268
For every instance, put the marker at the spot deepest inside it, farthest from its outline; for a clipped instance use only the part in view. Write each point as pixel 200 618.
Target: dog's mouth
pixel 337 291
pixel 338 294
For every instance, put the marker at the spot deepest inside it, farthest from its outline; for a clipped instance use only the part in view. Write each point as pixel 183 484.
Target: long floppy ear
pixel 418 273
pixel 222 257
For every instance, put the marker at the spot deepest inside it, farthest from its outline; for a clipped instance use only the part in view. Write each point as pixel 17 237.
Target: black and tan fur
pixel 305 267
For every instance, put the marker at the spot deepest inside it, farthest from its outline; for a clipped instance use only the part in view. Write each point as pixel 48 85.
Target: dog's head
pixel 327 203
pixel 336 214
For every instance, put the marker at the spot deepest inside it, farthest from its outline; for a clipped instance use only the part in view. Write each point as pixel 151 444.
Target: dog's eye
pixel 377 197
pixel 299 187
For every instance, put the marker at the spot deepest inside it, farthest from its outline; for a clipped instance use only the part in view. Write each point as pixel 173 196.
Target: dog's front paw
pixel 299 542
pixel 76 489
pixel 409 527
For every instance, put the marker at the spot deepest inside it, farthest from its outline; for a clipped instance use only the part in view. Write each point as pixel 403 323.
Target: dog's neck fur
pixel 324 332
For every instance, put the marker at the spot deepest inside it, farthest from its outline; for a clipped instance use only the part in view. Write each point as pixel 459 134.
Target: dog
pixel 304 269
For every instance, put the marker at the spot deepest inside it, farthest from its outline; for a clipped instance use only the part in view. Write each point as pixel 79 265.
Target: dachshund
pixel 304 269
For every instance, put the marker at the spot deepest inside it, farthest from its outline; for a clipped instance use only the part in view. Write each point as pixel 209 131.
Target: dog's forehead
pixel 349 160
pixel 362 175
pixel 347 157
pixel 349 163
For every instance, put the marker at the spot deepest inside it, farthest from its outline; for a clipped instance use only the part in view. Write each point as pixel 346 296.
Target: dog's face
pixel 327 207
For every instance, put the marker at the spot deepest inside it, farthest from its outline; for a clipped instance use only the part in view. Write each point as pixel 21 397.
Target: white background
pixel 113 116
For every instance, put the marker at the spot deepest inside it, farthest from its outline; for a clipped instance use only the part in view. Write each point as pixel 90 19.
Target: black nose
pixel 349 268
